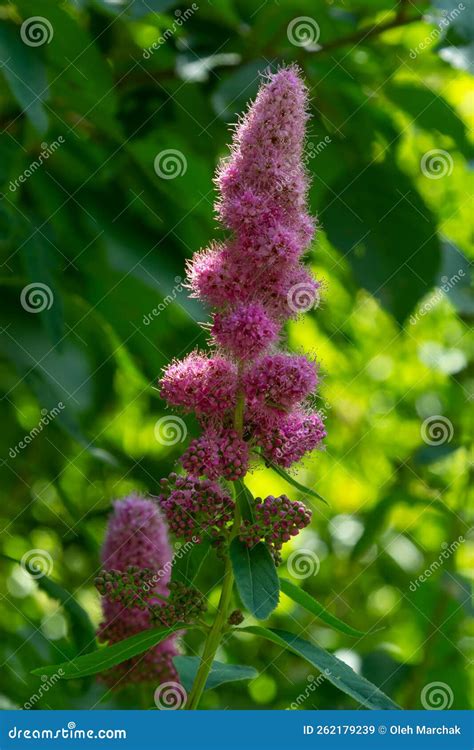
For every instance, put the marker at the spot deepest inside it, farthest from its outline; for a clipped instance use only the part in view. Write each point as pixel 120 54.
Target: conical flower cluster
pixel 136 542
pixel 255 281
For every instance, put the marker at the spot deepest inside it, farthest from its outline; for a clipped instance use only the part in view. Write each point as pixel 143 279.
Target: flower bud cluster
pixel 276 520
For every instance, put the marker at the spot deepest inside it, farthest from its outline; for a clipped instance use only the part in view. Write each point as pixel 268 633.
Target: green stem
pixel 213 639
pixel 215 633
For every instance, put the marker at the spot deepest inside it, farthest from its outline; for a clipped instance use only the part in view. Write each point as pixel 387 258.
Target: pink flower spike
pixel 206 385
pixel 246 331
pixel 137 536
pixel 279 381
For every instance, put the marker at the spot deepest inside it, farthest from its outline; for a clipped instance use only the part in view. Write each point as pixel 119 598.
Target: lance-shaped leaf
pixel 311 605
pixel 188 666
pixel 335 671
pixel 291 480
pixel 108 656
pixel 256 577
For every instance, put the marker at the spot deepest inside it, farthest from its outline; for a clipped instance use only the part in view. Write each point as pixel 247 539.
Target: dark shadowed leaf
pixel 187 667
pixel 256 577
pixel 376 217
pixel 335 670
pixel 188 560
pixel 311 605
pixel 25 72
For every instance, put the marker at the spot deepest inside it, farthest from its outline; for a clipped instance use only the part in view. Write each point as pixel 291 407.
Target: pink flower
pixel 137 536
pixel 279 381
pixel 195 508
pixel 206 385
pixel 263 186
pixel 245 332
pixel 288 439
pixel 217 454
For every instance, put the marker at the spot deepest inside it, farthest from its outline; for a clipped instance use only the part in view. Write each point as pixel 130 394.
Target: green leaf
pixel 376 217
pixel 38 259
pixel 106 657
pixel 82 629
pixel 256 577
pixel 24 70
pixel 244 499
pixel 336 672
pixel 81 78
pixel 311 605
pixel 288 478
pixel 188 666
pixel 188 560
pixel 430 111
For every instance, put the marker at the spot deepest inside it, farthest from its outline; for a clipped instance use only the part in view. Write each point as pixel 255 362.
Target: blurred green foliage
pixel 109 237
